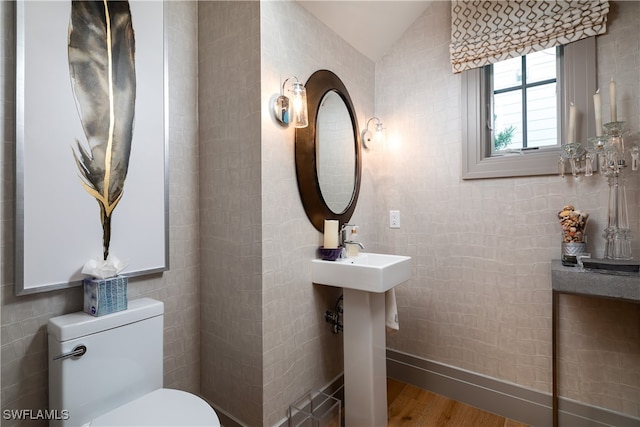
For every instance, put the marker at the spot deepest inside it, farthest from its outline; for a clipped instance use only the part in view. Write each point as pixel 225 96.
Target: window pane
pixel 541 116
pixel 507 112
pixel 507 73
pixel 541 65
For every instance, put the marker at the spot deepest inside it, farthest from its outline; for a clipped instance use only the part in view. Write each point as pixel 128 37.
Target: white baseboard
pixel 509 400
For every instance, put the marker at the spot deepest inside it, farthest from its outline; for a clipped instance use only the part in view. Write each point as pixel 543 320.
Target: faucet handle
pixel 343 232
pixel 350 235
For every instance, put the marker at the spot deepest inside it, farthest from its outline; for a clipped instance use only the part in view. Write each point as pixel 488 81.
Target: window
pixel 524 101
pixel 513 111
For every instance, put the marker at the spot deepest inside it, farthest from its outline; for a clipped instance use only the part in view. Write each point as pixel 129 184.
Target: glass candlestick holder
pixel 598 143
pixel 615 147
pixel 608 153
pixel 575 155
pixel 617 233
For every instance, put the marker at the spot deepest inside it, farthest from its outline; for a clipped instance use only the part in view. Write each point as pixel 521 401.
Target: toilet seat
pixel 162 407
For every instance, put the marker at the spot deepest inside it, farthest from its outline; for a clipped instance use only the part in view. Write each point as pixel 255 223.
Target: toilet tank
pixel 123 360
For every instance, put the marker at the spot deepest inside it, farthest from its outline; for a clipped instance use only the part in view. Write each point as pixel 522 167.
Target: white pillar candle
pixel 597 106
pixel 330 233
pixel 612 101
pixel 571 135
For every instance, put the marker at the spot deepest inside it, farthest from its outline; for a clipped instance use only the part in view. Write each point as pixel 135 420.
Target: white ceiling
pixel 371 26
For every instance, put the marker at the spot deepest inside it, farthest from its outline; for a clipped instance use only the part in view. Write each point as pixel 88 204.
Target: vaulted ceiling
pixel 372 27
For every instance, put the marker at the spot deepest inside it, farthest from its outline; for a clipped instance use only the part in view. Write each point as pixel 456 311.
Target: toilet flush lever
pixel 76 352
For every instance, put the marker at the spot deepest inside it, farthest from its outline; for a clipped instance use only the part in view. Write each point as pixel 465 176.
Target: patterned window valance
pixel 487 31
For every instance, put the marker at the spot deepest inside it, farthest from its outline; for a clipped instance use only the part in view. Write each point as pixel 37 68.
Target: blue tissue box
pixel 105 296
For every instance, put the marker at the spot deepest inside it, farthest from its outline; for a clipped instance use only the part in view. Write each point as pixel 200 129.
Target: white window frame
pixel 578 85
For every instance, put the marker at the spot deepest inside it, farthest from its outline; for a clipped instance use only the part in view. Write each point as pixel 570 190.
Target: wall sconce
pixel 294 109
pixel 368 136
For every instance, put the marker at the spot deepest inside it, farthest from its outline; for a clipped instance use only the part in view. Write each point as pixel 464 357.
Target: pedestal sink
pixel 364 280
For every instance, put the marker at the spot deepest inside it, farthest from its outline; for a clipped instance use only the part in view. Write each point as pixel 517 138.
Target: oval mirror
pixel 335 152
pixel 328 161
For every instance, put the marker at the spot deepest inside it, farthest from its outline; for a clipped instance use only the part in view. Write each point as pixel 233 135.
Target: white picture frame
pixel 58 226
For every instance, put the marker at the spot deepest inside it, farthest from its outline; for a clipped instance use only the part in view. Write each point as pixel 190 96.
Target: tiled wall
pixel 480 298
pixel 24 319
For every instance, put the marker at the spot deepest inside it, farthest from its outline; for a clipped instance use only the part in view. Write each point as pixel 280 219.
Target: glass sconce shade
pixel 299 100
pixel 377 136
pixel 293 109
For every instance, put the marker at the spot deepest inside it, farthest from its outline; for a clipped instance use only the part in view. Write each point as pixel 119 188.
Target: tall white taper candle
pixel 612 101
pixel 597 107
pixel 571 135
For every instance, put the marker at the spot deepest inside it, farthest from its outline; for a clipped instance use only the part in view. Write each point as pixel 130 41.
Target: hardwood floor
pixel 410 406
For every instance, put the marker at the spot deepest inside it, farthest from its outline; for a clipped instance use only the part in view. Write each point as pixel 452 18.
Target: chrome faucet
pixel 343 236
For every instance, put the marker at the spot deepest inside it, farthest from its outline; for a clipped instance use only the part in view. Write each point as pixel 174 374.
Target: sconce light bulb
pixel 297 103
pixel 379 133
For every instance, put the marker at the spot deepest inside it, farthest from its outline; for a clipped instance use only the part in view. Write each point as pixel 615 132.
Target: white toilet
pixel 115 376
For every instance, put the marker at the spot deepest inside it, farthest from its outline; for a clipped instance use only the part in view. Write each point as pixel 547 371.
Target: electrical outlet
pixel 394 219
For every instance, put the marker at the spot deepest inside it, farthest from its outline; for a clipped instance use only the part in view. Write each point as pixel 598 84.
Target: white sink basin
pixel 365 272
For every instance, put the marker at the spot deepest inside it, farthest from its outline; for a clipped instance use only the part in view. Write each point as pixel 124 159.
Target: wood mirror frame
pixel 321 82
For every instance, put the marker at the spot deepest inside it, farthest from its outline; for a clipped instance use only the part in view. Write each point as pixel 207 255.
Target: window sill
pixel 542 162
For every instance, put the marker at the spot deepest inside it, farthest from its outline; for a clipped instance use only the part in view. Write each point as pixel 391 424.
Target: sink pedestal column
pixel 365 361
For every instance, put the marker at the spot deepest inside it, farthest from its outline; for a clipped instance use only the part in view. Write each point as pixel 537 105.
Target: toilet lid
pixel 162 407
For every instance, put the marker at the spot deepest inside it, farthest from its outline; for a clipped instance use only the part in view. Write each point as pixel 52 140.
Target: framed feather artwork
pixel 91 140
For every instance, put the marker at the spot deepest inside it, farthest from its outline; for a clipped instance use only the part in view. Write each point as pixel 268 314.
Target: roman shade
pixel 484 32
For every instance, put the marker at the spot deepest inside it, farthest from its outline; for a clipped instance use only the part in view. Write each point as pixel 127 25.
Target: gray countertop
pixel 572 280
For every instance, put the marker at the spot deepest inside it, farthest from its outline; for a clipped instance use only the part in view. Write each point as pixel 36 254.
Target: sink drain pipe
pixel 334 317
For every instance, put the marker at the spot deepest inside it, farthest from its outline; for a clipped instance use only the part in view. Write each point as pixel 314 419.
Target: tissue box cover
pixel 105 296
